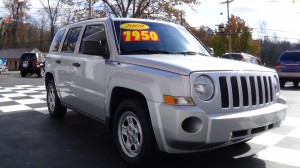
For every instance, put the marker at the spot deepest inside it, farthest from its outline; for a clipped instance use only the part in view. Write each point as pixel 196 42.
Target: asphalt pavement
pixel 30 138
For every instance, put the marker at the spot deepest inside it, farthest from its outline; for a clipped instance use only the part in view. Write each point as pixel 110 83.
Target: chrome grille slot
pixel 253 90
pixel 224 92
pixel 271 89
pixel 235 91
pixel 245 91
pixel 266 90
pixel 260 92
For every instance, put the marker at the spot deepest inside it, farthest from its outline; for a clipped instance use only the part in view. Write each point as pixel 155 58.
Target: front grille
pixel 242 91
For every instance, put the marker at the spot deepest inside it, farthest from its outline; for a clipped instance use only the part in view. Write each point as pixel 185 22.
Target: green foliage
pixel 219 44
pixel 204 34
pixel 241 37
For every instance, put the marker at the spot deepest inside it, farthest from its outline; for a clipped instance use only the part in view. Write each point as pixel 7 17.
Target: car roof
pixel 85 21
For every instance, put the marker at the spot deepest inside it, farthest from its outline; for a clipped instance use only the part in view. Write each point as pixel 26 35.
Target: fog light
pixel 192 125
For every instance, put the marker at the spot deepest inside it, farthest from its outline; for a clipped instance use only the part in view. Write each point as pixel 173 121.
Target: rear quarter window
pixel 57 41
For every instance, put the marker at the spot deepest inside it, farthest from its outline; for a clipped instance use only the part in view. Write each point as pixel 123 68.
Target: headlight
pixel 276 84
pixel 204 87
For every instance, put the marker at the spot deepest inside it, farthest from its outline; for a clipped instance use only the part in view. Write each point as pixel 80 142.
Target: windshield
pixel 156 38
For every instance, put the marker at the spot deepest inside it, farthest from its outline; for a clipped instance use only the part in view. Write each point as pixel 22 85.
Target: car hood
pixel 186 64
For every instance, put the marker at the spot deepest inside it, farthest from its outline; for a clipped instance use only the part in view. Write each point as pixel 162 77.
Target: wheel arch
pixel 119 94
pixel 48 76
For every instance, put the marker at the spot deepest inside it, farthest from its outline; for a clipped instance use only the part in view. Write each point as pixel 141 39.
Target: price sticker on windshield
pixel 138 32
pixel 139 35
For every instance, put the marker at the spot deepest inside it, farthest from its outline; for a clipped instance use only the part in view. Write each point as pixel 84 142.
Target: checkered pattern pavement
pixel 21 98
pixel 281 145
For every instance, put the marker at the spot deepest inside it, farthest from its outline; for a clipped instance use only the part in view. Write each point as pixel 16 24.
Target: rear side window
pixel 71 39
pixel 56 41
pixel 290 56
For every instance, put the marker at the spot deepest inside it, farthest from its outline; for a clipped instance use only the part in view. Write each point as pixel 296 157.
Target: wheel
pixel 56 110
pixel 23 74
pixel 296 83
pixel 282 83
pixel 133 134
pixel 25 63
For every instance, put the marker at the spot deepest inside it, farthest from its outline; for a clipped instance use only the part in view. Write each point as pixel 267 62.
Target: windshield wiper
pixel 192 53
pixel 146 51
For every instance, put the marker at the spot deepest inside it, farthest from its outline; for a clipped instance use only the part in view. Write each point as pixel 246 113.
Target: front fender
pixel 152 83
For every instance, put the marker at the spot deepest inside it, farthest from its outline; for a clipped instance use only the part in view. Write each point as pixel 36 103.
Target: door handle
pixel 76 64
pixel 58 61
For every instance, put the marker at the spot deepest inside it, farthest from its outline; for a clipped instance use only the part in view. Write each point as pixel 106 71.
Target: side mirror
pixel 211 51
pixel 93 47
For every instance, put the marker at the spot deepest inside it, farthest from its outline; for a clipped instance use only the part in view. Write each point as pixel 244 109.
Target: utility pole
pixel 229 26
pixel 90 9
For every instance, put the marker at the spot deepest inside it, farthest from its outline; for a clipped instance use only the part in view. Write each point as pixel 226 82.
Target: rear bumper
pixel 31 70
pixel 214 130
pixel 288 74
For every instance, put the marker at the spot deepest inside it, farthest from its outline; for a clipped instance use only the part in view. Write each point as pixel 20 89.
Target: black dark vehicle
pixel 32 63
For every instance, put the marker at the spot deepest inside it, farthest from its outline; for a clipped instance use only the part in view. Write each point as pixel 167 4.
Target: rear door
pixel 64 66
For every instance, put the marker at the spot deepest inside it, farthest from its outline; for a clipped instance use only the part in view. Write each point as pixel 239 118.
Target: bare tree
pixel 154 9
pixel 51 7
pixel 150 8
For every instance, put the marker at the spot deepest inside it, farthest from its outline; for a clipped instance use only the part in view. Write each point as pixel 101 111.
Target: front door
pixel 89 75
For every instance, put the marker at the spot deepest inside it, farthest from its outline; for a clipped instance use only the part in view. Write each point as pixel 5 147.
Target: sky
pixel 280 17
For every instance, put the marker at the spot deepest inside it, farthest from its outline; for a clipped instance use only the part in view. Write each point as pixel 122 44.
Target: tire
pixel 41 73
pixel 282 83
pixel 23 74
pixel 133 134
pixel 26 63
pixel 56 110
pixel 296 83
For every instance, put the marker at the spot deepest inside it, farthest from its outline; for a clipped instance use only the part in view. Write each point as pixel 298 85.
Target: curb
pixel 10 73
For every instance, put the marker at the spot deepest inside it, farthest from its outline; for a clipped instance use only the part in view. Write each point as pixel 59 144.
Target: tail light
pixel 38 64
pixel 277 65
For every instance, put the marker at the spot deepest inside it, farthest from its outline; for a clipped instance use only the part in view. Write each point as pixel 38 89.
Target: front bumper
pixel 213 130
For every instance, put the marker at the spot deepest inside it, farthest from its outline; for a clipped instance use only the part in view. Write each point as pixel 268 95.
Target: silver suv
pixel 157 88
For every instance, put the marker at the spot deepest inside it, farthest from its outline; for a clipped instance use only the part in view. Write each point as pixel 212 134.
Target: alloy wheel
pixel 130 134
pixel 51 98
